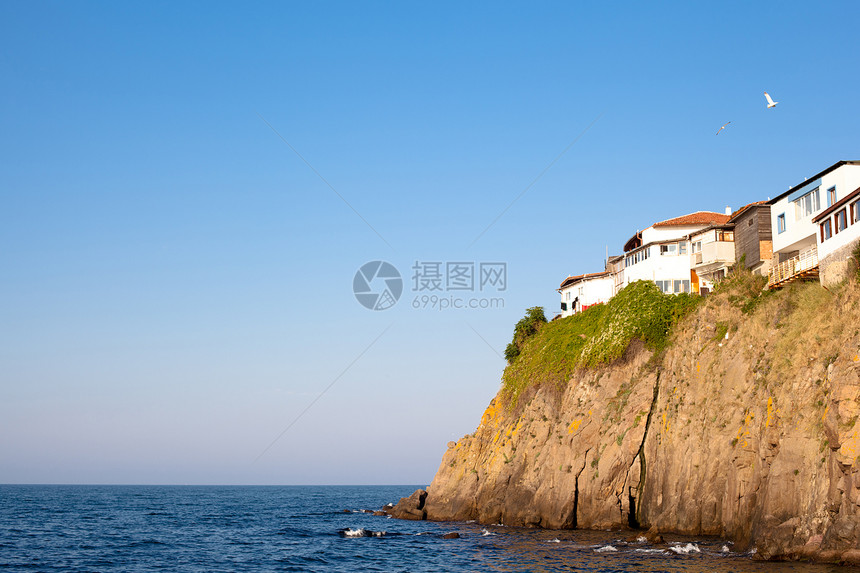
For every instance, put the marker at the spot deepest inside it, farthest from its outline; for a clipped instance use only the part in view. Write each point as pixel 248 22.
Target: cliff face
pixel 746 427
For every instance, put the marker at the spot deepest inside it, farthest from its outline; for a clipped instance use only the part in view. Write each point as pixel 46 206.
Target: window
pixel 679 286
pixel 664 286
pixel 670 249
pixel 682 248
pixel 807 205
pixel 841 220
pixel 697 247
pixel 719 275
pixel 567 295
pixel 780 223
pixel 855 211
pixel 725 236
pixel 826 230
pixel 831 196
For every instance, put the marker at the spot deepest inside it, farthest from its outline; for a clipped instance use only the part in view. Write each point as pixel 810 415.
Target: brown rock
pixel 411 507
pixel 756 441
pixel 452 535
pixel 653 536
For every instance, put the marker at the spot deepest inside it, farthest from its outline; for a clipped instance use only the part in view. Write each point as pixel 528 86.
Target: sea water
pixel 296 528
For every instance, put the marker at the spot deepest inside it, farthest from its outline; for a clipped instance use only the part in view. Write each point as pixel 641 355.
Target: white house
pixel 661 253
pixel 838 233
pixel 795 233
pixel 582 291
pixel 712 253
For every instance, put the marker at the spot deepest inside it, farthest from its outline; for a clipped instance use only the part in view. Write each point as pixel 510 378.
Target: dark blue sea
pixel 295 528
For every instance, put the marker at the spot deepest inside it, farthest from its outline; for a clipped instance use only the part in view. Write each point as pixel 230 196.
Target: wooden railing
pixel 795 267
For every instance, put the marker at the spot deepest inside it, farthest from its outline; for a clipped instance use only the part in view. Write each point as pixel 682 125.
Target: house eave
pixel 833 167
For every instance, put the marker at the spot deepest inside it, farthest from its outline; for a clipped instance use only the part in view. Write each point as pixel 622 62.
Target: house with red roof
pixel 661 253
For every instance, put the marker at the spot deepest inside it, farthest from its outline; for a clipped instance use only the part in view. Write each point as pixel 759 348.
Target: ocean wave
pixel 685 549
pixel 605 549
pixel 361 532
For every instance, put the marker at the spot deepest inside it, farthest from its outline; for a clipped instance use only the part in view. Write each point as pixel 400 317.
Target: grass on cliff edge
pixel 597 336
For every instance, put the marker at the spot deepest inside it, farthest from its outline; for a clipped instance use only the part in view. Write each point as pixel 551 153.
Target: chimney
pixel 728 210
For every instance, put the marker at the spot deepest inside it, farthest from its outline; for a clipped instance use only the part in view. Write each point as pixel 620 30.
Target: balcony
pixel 801 267
pixel 715 253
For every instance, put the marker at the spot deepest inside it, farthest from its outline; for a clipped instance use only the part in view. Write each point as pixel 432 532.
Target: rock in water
pixel 411 507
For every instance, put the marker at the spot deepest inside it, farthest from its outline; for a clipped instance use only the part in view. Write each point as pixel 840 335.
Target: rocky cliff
pixel 745 426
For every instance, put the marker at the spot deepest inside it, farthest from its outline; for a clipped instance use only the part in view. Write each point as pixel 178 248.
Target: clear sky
pixel 176 282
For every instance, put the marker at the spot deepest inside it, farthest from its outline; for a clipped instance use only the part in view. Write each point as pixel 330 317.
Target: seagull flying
pixel 722 128
pixel 770 102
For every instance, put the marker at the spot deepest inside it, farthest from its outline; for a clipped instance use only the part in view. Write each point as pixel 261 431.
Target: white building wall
pixel 665 267
pixel 653 234
pixel 659 267
pixel 597 290
pixel 800 234
pixel 588 291
pixel 840 239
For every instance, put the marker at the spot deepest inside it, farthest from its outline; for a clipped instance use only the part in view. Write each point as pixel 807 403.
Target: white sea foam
pixel 641 539
pixel 486 532
pixel 556 540
pixel 605 549
pixel 685 549
pixel 640 550
pixel 726 549
pixel 361 532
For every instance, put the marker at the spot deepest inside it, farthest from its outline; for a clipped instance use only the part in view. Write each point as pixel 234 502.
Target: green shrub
pixel 599 335
pixel 527 327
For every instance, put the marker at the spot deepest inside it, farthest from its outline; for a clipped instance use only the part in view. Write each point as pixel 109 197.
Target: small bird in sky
pixel 722 128
pixel 770 102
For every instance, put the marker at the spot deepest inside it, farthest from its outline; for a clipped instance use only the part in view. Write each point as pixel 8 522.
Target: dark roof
pixel 571 280
pixel 836 165
pixel 697 218
pixel 836 206
pixel 633 242
pixel 743 210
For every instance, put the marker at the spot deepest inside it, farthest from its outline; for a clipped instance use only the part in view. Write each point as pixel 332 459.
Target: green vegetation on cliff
pixel 599 335
pixel 525 328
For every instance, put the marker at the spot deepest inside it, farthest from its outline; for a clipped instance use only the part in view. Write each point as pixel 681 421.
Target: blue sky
pixel 176 282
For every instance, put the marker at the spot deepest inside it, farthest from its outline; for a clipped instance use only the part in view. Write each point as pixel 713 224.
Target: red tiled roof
pixel 697 218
